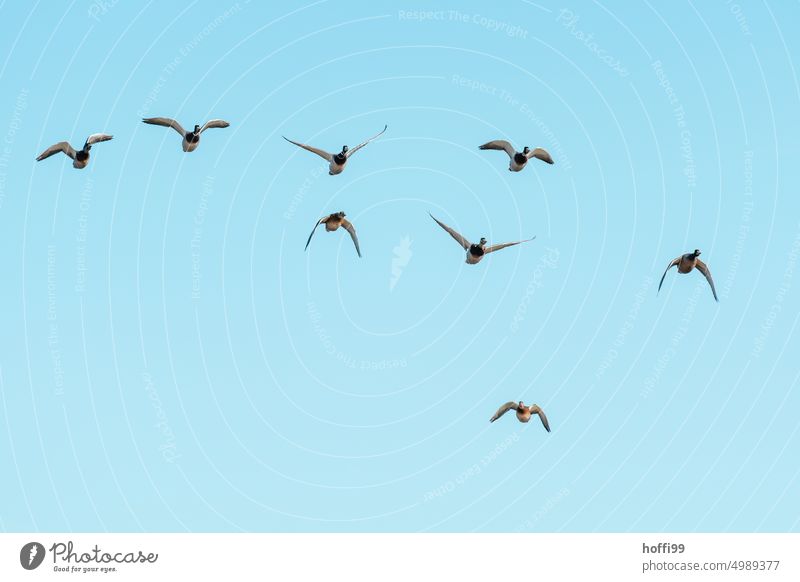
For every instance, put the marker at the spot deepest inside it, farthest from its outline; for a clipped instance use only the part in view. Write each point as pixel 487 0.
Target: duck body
pixel 523 414
pixel 517 162
pixel 337 164
pixel 81 159
pixel 333 223
pixel 475 254
pixel 190 141
pixel 687 263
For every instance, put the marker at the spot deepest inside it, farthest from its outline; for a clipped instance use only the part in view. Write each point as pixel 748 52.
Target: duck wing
pixel 703 268
pixel 352 230
pixel 672 263
pixel 540 154
pixel 320 221
pixel 534 408
pixel 494 248
pixel 61 146
pixel 214 123
pixel 503 409
pixel 165 122
pixel 350 152
pixel 321 153
pixel 459 239
pixel 98 137
pixel 499 144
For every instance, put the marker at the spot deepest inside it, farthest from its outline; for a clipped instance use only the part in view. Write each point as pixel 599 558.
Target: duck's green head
pixel 696 252
pixel 483 241
pixel 526 150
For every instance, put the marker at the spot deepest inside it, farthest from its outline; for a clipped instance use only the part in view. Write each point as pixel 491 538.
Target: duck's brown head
pixel 341 214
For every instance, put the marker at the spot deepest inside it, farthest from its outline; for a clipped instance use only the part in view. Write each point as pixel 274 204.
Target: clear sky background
pixel 171 359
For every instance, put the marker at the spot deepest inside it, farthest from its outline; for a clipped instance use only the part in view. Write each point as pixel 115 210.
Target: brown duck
pixel 524 413
pixel 333 222
pixel 686 263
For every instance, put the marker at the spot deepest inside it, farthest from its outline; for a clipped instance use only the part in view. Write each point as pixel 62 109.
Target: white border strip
pixel 388 557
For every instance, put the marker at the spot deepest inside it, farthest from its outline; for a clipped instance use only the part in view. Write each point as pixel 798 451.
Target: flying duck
pixel 524 413
pixel 80 158
pixel 338 161
pixel 518 159
pixel 685 264
pixel 191 139
pixel 475 252
pixel 333 222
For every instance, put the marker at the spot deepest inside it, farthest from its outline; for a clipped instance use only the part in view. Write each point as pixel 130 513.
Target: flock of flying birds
pixel 337 162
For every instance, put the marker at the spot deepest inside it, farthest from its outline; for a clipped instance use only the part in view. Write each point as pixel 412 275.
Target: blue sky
pixel 172 360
